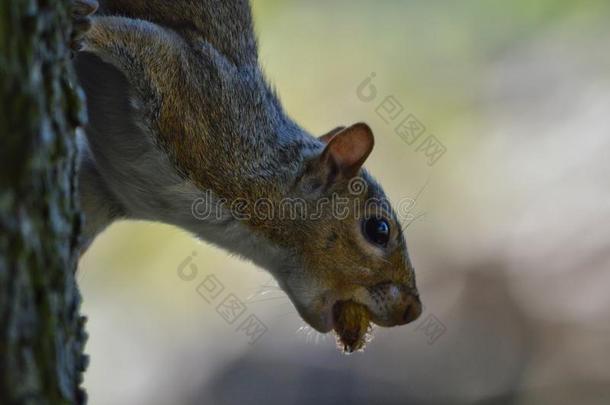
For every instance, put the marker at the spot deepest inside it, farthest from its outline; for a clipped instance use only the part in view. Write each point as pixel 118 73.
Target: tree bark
pixel 41 332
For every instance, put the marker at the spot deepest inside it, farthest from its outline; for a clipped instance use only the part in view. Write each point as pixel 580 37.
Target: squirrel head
pixel 350 264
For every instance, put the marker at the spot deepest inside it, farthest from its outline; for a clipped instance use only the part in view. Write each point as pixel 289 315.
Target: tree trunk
pixel 41 332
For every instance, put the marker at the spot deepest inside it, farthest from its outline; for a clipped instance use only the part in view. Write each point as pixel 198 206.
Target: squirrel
pixel 179 108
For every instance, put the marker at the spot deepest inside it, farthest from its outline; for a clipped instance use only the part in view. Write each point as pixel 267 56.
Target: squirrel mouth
pixel 352 325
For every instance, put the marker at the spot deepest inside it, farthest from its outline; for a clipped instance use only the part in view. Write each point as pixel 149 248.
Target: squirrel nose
pixel 401 304
pixel 413 310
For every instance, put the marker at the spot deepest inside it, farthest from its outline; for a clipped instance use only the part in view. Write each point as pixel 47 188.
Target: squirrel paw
pixel 81 11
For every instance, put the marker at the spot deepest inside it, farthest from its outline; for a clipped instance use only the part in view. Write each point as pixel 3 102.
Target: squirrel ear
pixel 330 135
pixel 348 148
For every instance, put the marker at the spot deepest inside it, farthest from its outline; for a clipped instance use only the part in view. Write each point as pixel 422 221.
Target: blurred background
pixel 511 243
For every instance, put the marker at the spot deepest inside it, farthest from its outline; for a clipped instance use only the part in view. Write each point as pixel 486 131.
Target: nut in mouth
pixel 352 324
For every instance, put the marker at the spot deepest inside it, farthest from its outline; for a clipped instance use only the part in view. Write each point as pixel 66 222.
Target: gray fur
pixel 179 108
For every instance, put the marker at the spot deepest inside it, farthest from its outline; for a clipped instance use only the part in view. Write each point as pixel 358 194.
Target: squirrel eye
pixel 377 231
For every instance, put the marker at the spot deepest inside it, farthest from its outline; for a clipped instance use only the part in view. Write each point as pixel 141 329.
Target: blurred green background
pixel 512 254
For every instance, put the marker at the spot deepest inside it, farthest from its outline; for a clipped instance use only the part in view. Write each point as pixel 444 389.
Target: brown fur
pixel 198 94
